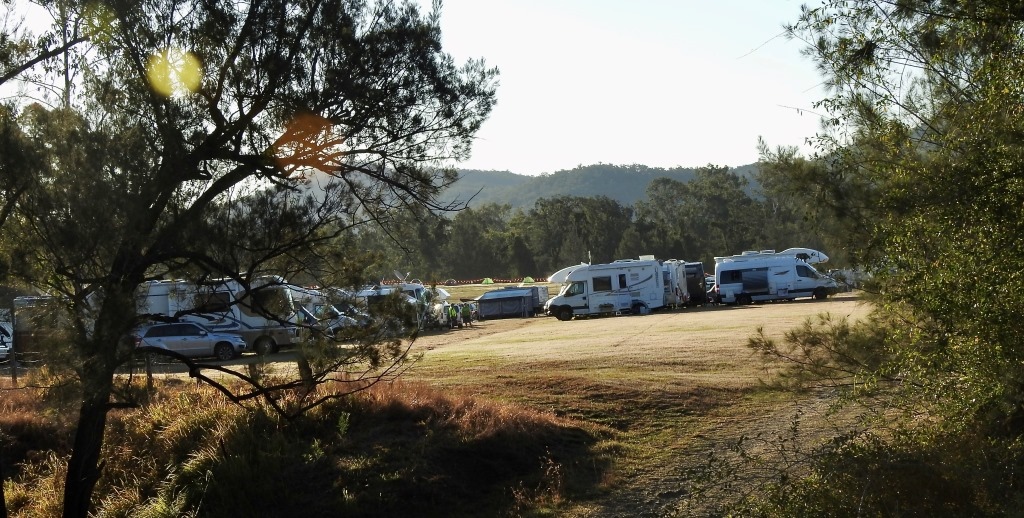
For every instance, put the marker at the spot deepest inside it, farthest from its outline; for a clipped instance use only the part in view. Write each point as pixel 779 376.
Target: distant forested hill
pixel 625 184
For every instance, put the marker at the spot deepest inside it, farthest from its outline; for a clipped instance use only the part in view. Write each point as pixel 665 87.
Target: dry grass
pixel 396 448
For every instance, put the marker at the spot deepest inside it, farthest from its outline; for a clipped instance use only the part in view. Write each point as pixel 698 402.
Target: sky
pixel 661 83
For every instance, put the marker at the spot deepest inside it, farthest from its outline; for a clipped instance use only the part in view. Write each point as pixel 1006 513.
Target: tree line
pixel 714 214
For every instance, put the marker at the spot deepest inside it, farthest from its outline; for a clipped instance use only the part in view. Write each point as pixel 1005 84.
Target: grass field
pixel 665 387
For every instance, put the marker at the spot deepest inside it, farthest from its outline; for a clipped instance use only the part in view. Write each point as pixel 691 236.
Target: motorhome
pixel 677 292
pixel 263 314
pixel 766 275
pixel 695 283
pixel 623 286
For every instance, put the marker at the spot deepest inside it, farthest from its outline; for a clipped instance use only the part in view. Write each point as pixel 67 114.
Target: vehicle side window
pixel 214 302
pixel 732 276
pixel 156 332
pixel 576 288
pixel 188 330
pixel 602 283
pixel 804 271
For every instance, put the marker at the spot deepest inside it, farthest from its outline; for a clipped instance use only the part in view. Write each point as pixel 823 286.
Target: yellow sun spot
pixel 174 72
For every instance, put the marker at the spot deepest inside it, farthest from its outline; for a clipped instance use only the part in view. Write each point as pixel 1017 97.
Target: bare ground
pixel 670 386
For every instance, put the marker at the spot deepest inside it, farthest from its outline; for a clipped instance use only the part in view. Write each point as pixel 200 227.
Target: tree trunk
pixel 84 466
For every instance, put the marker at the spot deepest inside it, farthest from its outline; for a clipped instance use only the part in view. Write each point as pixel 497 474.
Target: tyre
pixel 264 346
pixel 564 314
pixel 224 351
pixel 743 300
pixel 820 294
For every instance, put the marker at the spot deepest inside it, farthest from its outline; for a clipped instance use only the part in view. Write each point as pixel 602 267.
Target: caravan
pixel 263 314
pixel 623 286
pixel 766 275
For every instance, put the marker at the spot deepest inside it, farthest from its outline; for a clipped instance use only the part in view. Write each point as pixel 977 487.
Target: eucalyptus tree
pixel 221 139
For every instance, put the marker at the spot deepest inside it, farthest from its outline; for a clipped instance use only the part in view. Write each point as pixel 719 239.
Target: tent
pixel 508 302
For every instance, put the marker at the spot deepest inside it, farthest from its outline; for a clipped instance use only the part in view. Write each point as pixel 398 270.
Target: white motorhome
pixel 677 293
pixel 623 286
pixel 263 315
pixel 766 275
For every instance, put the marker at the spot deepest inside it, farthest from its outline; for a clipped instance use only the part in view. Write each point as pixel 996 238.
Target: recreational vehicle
pixel 677 292
pixel 695 283
pixel 623 286
pixel 766 275
pixel 376 300
pixel 263 314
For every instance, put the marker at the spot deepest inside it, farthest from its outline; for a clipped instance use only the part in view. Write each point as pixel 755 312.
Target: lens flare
pixel 174 72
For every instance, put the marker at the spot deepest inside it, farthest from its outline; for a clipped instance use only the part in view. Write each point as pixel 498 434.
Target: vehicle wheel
pixel 564 314
pixel 224 351
pixel 743 300
pixel 636 309
pixel 820 294
pixel 264 346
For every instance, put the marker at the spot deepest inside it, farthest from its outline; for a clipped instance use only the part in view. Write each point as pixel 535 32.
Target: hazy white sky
pixel 661 83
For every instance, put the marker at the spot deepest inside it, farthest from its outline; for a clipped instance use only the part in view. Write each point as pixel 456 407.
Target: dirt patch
pixel 672 384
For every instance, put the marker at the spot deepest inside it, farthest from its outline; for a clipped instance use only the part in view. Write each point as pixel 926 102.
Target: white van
pixel 757 277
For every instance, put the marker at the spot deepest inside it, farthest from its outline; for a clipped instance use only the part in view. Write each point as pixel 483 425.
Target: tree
pixel 477 243
pixel 921 159
pixel 568 229
pixel 709 216
pixel 188 143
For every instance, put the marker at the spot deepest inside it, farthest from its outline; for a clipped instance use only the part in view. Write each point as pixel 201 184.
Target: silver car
pixel 6 339
pixel 190 339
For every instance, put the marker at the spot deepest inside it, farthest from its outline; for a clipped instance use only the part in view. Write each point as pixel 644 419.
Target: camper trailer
pixel 263 315
pixel 766 275
pixel 623 286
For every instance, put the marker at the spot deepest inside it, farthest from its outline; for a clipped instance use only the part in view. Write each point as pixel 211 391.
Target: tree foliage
pixel 179 144
pixel 920 164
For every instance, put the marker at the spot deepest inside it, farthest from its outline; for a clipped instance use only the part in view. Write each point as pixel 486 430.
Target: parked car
pixel 6 339
pixel 190 339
